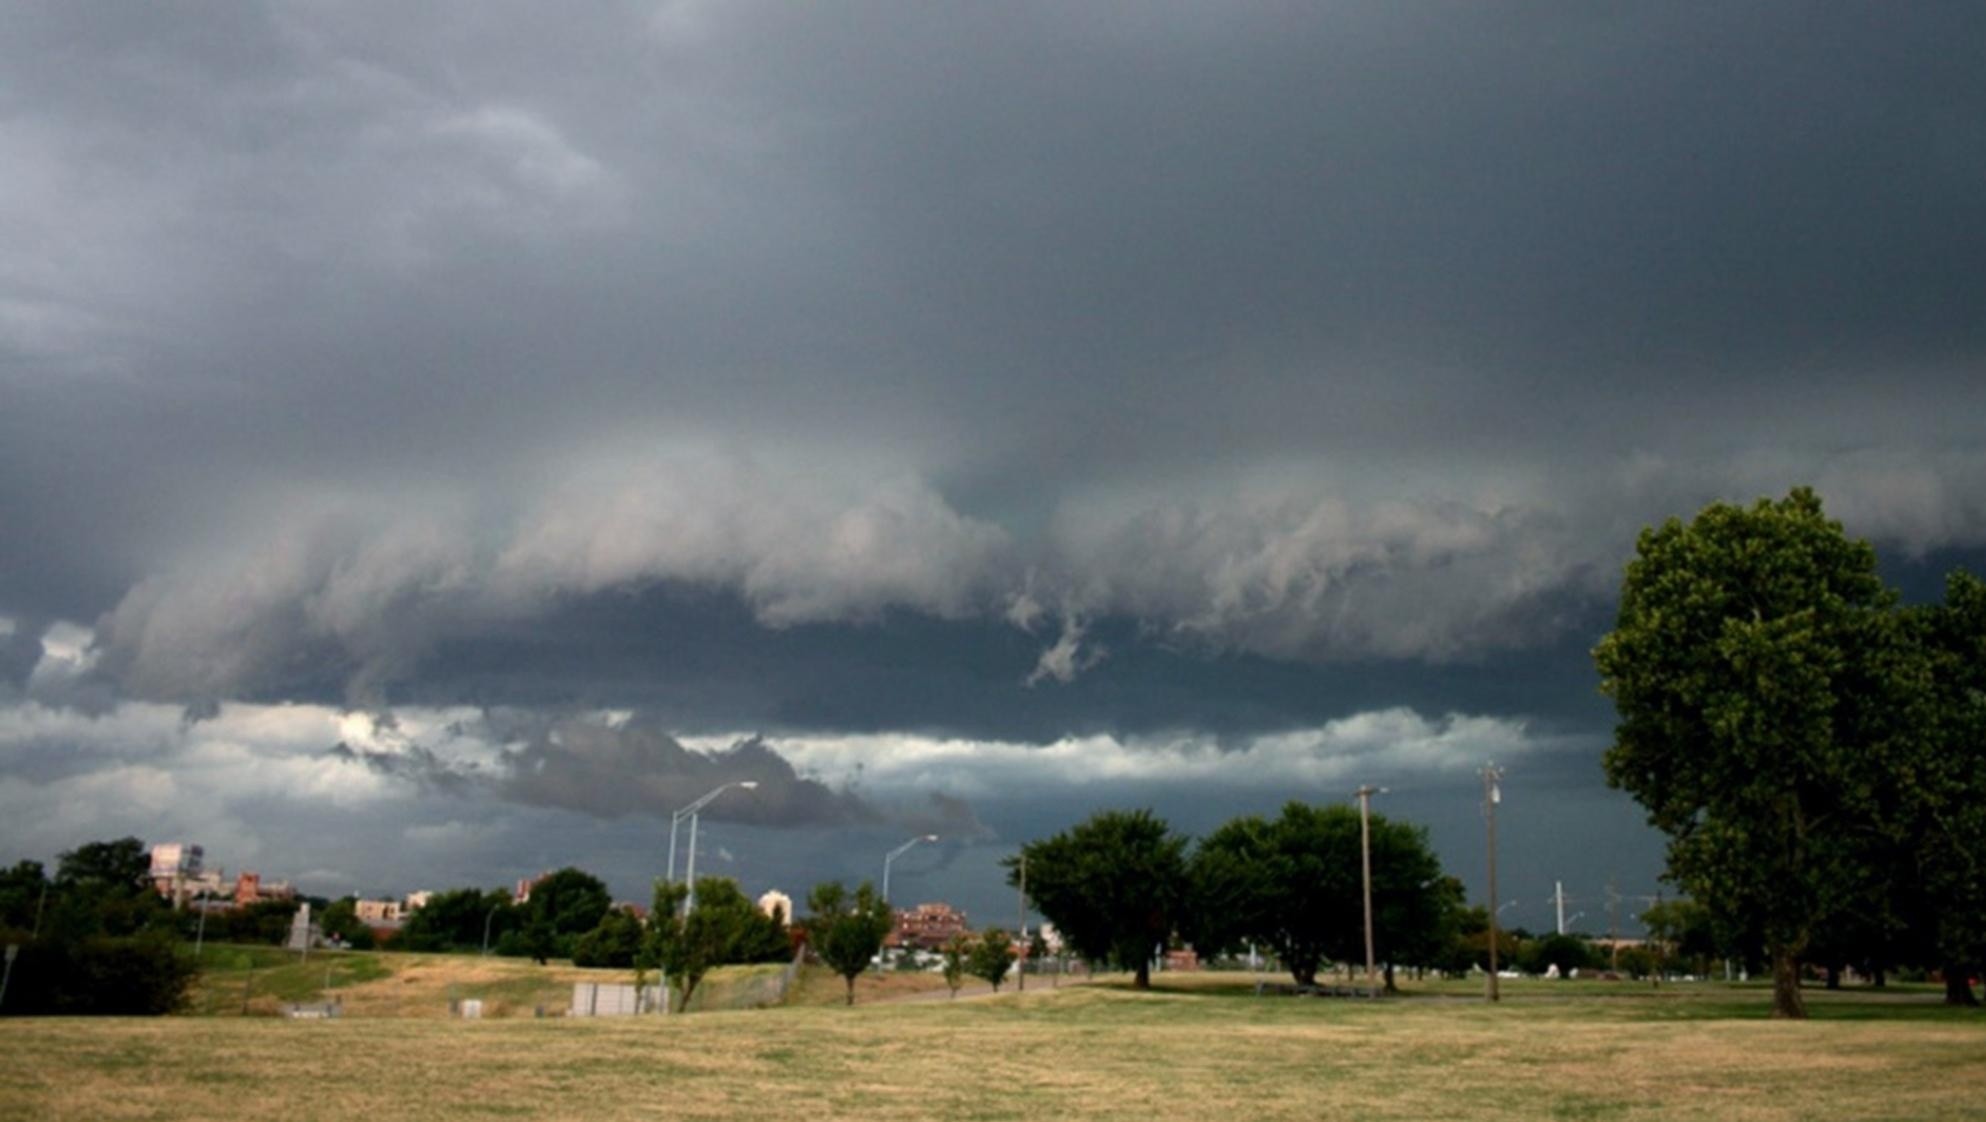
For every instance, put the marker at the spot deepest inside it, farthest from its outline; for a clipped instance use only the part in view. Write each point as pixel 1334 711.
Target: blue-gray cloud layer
pixel 1012 372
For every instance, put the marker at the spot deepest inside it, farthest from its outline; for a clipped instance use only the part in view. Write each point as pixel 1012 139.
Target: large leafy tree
pixel 1114 885
pixel 1293 884
pixel 565 905
pixel 725 927
pixel 847 929
pixel 1764 685
pixel 102 888
pixel 1946 854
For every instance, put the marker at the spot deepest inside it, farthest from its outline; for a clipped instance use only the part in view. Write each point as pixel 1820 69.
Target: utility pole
pixel 1365 862
pixel 1492 795
pixel 1558 901
pixel 1021 955
pixel 1614 923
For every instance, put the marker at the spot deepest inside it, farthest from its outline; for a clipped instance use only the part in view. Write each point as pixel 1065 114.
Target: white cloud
pixel 68 654
pixel 1389 741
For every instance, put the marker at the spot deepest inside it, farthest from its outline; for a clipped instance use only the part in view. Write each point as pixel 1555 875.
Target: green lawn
pixel 1197 1048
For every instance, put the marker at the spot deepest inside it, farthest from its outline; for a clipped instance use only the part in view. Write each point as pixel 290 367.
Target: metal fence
pixel 607 999
pixel 743 988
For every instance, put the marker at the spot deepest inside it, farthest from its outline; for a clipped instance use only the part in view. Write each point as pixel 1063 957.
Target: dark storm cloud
pixel 637 769
pixel 1008 372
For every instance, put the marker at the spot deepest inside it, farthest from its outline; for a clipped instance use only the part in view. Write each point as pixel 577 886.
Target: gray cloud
pixel 635 768
pixel 354 353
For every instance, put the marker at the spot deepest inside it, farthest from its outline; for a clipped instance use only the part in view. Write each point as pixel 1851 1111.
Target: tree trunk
pixel 1958 989
pixel 1786 999
pixel 850 979
pixel 1833 976
pixel 1144 975
pixel 1390 987
pixel 1304 973
pixel 1881 977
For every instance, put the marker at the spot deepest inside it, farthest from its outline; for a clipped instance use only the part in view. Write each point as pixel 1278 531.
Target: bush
pixel 141 975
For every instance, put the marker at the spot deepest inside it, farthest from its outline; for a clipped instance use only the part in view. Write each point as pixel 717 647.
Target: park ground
pixel 1198 1046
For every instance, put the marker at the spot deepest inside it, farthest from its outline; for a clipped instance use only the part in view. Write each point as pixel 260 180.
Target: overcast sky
pixel 437 442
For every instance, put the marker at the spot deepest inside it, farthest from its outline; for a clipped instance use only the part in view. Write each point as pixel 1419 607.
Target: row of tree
pixel 1814 748
pixel 1121 886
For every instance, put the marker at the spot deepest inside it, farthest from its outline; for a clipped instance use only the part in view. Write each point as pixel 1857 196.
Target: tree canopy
pixel 1763 682
pixel 1293 885
pixel 991 957
pixel 847 930
pixel 724 927
pixel 1114 886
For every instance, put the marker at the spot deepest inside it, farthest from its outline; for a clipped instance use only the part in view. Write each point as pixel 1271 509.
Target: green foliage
pixel 265 921
pixel 1114 886
pixel 118 866
pixel 1764 685
pixel 1471 941
pixel 455 920
pixel 99 975
pixel 846 931
pixel 1638 962
pixel 21 895
pixel 102 888
pixel 341 921
pixel 1567 952
pixel 724 927
pixel 563 906
pixel 1294 886
pixel 991 957
pixel 956 951
pixel 614 943
pixel 1681 936
pixel 1945 834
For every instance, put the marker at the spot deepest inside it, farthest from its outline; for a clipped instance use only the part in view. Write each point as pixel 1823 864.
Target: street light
pixel 896 853
pixel 690 812
pixel 1365 860
pixel 486 925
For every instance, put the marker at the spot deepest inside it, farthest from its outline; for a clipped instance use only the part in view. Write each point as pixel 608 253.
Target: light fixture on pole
pixel 1365 861
pixel 1492 795
pixel 487 919
pixel 690 812
pixel 899 851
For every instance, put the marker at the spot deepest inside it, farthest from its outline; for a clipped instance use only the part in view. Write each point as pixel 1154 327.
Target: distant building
pixel 415 901
pixel 379 913
pixel 927 926
pixel 777 903
pixel 249 888
pixel 175 868
pixel 522 893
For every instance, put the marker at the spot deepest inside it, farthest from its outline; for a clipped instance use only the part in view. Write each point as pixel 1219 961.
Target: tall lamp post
pixel 1365 861
pixel 488 918
pixel 690 812
pixel 1492 795
pixel 899 851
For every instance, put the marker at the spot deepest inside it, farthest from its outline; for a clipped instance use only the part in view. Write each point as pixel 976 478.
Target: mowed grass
pixel 1206 1049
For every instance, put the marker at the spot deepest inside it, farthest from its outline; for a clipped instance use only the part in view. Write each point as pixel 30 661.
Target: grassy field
pixel 1205 1049
pixel 256 981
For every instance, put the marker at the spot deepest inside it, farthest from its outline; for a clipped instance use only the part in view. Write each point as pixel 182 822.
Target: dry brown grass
pixel 1090 1052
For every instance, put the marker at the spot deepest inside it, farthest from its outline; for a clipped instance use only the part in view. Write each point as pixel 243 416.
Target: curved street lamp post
pixel 690 812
